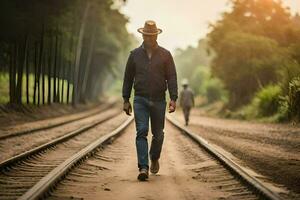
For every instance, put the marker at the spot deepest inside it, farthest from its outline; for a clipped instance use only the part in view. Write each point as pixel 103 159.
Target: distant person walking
pixel 186 100
pixel 151 69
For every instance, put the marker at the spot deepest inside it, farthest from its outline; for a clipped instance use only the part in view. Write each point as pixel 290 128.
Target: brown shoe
pixel 154 168
pixel 143 175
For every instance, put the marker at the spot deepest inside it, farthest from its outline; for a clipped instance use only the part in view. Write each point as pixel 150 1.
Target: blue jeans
pixel 143 110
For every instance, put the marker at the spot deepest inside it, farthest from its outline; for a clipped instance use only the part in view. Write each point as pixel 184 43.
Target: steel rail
pixel 261 189
pixel 10 161
pixel 40 189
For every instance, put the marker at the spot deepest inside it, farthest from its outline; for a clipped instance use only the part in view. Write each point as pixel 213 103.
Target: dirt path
pixel 273 150
pixel 186 173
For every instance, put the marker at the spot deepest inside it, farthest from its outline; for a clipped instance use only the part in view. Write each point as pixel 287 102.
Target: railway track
pixel 21 172
pixel 18 144
pixel 56 173
pixel 258 188
pixel 91 173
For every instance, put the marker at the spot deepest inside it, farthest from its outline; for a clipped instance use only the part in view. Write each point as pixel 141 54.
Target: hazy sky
pixel 183 22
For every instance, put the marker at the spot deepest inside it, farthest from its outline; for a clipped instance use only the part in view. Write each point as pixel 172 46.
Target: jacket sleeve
pixel 171 77
pixel 128 78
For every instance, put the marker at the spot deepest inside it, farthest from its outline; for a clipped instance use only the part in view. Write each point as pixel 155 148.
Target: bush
pixel 266 102
pixel 294 98
pixel 283 111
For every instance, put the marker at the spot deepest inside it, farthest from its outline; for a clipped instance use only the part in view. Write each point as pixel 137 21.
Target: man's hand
pixel 127 108
pixel 172 106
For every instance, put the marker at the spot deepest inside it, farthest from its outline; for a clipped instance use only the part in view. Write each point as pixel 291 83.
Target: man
pixel 186 100
pixel 152 71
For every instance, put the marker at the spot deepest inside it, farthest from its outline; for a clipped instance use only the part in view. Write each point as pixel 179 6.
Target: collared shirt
pixel 150 77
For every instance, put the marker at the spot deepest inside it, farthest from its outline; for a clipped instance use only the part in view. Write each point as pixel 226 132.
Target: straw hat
pixel 149 28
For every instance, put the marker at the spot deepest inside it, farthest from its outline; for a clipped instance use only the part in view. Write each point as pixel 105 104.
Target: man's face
pixel 150 40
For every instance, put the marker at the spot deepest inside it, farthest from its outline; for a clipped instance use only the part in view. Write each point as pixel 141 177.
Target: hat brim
pixel 141 30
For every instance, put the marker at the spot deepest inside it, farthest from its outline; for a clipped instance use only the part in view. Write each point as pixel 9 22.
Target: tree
pixel 36 39
pixel 252 43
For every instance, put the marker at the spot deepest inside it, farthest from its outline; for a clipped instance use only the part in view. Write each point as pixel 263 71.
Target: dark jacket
pixel 151 77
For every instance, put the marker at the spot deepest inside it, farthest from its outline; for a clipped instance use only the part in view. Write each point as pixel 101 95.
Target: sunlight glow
pixel 183 22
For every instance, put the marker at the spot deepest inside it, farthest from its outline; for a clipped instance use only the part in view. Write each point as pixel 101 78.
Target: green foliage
pixel 290 104
pixel 270 104
pixel 193 64
pixel 104 40
pixel 267 100
pixel 283 111
pixel 294 98
pixel 4 88
pixel 188 60
pixel 256 44
pixel 245 63
pixel 198 78
pixel 203 84
pixel 265 103
pixel 214 90
pixel 258 17
pixel 290 71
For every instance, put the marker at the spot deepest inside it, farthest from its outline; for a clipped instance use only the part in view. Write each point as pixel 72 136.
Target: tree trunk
pixel 35 73
pixel 55 67
pixel 21 66
pixel 41 52
pixel 69 70
pixel 12 74
pixel 59 70
pixel 63 82
pixel 78 52
pixel 62 61
pixel 87 66
pixel 27 77
pixel 16 62
pixel 49 69
pixel 73 77
pixel 43 67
